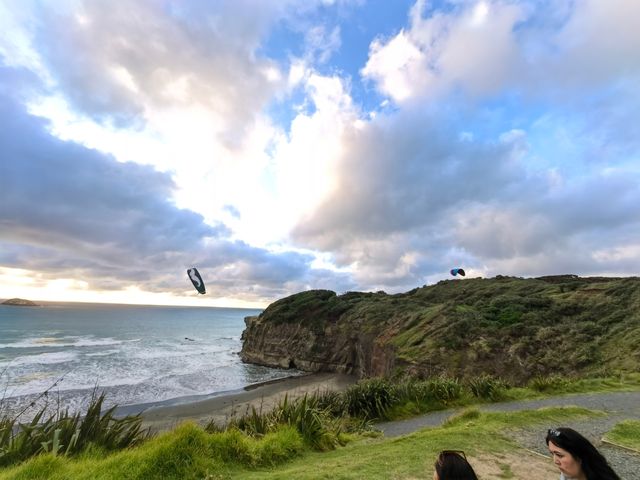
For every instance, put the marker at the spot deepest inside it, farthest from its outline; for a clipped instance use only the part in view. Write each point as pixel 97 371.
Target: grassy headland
pixel 508 327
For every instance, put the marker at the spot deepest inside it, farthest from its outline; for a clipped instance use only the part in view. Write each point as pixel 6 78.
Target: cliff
pixel 511 327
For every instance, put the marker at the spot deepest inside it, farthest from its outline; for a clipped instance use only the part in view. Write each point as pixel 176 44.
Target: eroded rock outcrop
pixel 509 327
pixel 322 343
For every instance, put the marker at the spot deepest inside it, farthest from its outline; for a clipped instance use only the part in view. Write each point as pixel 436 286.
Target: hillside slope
pixel 511 327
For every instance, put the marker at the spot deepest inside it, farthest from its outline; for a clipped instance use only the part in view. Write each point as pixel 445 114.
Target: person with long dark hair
pixel 576 457
pixel 453 465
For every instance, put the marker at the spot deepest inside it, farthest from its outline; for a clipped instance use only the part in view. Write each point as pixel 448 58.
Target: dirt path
pixel 618 406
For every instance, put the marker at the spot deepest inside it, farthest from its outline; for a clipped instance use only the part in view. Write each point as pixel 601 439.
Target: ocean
pixel 59 353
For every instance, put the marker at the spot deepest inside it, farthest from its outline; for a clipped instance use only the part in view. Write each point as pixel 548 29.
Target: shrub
pixel 548 384
pixel 65 434
pixel 314 423
pixel 278 446
pixel 370 399
pixel 254 423
pixel 444 389
pixel 230 446
pixel 487 387
pixel 331 402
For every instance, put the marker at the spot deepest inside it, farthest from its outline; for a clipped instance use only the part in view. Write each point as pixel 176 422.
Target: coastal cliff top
pixel 507 326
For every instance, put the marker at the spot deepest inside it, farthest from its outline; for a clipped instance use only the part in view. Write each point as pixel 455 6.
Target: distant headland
pixel 20 302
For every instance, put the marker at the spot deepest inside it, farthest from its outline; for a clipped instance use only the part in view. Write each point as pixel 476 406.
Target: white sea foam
pixel 97 342
pixel 179 351
pixel 44 358
pixel 105 353
pixel 88 341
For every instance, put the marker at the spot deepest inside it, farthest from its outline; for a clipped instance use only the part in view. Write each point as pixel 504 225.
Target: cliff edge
pixel 506 326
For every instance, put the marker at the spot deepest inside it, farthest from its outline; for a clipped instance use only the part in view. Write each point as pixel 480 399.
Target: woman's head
pixel 576 457
pixel 453 465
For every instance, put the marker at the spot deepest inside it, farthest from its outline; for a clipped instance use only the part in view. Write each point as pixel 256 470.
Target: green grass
pixel 441 394
pixel 508 327
pixel 189 452
pixel 318 422
pixel 625 433
pixel 555 384
pixel 62 433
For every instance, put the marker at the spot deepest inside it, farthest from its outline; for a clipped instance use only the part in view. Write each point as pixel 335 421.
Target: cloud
pixel 120 62
pixel 505 152
pixel 321 43
pixel 414 196
pixel 598 43
pixel 406 170
pixel 471 48
pixel 400 181
pixel 71 212
pixel 182 86
pixel 508 144
pixel 485 47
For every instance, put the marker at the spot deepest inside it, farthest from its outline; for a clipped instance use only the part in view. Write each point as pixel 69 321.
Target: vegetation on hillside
pixel 189 452
pixel 508 327
pixel 319 422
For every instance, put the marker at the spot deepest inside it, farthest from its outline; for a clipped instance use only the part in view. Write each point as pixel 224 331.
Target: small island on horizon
pixel 20 302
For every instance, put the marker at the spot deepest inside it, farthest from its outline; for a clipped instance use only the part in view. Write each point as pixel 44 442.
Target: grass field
pixel 189 452
pixel 626 433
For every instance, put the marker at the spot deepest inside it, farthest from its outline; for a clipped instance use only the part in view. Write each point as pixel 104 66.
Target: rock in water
pixel 20 302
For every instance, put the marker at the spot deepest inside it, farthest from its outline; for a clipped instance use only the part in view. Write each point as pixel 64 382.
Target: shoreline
pixel 220 407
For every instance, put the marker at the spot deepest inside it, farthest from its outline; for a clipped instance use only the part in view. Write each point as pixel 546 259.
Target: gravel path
pixel 618 406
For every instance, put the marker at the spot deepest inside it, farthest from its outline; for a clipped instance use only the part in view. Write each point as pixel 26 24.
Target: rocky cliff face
pixel 331 348
pixel 509 327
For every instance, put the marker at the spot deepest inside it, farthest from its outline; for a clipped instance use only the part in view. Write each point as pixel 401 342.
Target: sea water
pixel 59 354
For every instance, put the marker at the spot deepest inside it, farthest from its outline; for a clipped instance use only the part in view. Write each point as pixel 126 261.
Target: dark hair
pixel 593 463
pixel 453 465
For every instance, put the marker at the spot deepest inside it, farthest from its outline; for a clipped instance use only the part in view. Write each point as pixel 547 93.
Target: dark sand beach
pixel 221 407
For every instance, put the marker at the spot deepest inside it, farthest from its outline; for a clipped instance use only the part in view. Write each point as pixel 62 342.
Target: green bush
pixel 549 383
pixel 65 434
pixel 279 446
pixel 487 387
pixel 370 399
pixel 230 446
pixel 313 422
pixel 445 389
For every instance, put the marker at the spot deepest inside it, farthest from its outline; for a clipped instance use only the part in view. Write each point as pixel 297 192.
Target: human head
pixel 453 465
pixel 575 455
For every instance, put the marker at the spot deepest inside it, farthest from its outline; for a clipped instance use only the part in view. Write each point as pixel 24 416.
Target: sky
pixel 286 145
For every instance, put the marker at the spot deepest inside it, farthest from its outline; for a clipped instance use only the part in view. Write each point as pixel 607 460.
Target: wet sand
pixel 221 408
